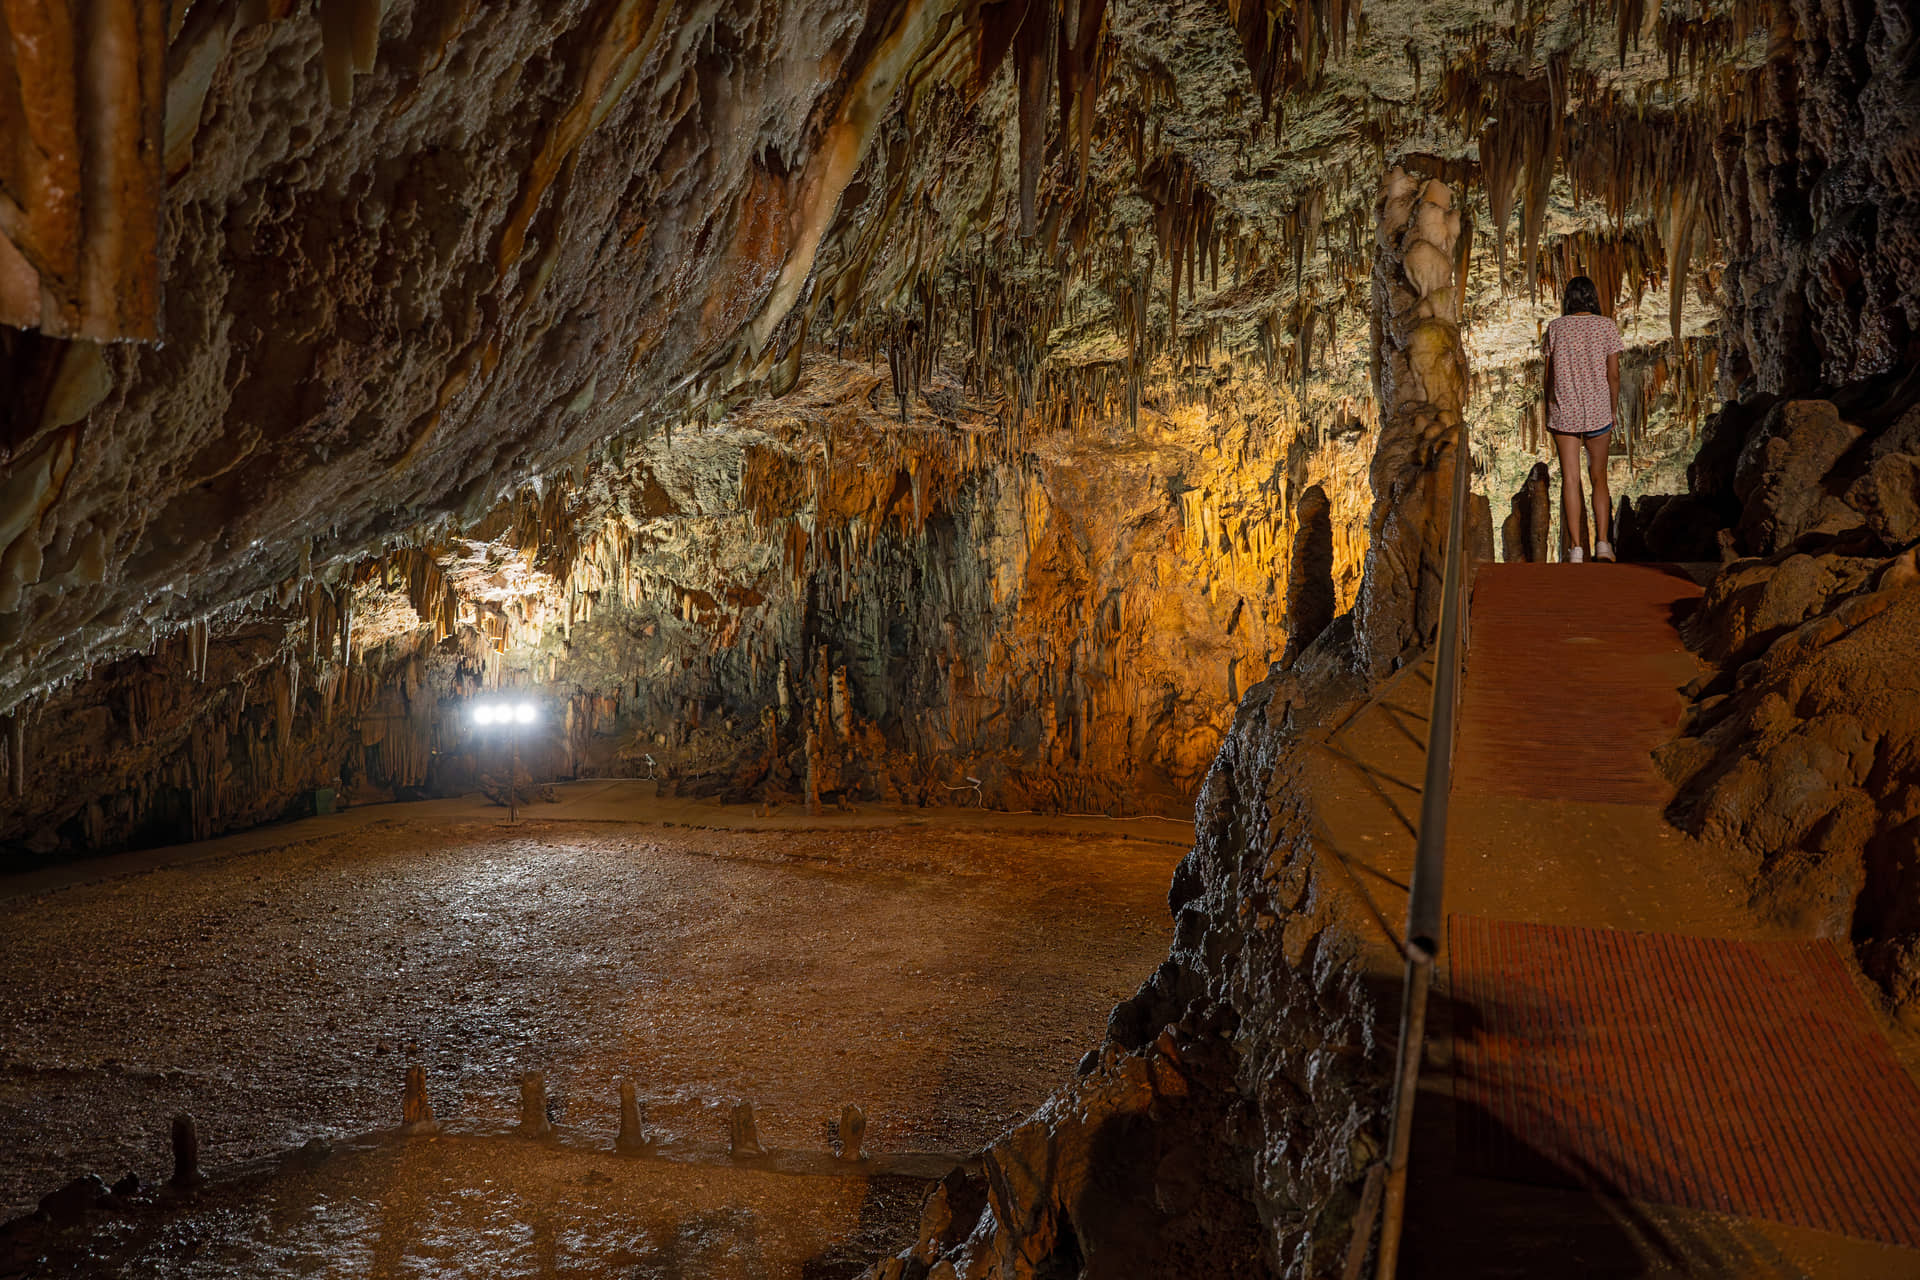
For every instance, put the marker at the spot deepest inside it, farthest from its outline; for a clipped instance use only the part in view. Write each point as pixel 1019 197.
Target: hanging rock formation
pixel 1821 188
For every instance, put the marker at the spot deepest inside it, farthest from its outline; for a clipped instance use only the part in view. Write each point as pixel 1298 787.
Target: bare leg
pixel 1597 448
pixel 1573 509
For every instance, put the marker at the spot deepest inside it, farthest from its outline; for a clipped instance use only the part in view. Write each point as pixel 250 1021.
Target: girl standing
pixel 1583 391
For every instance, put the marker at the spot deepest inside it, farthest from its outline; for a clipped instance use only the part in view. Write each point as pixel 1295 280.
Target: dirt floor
pixel 943 978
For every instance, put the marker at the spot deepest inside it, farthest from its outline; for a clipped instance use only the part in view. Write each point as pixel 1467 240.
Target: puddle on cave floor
pixel 462 1205
pixel 944 979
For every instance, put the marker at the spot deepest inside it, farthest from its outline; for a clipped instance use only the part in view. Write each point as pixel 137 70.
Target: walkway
pixel 1601 1040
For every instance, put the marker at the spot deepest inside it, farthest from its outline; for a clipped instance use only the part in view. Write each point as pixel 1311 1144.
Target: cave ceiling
pixel 306 299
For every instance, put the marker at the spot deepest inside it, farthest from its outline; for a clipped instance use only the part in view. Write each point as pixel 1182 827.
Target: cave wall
pixel 1071 625
pixel 427 273
pixel 1822 195
pixel 1231 1119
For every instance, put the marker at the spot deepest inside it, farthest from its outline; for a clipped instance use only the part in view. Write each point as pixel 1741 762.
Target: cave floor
pixel 1554 860
pixel 942 969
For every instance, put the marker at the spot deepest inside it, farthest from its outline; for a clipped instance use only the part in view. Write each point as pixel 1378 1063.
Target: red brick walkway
pixel 1741 1077
pixel 1569 681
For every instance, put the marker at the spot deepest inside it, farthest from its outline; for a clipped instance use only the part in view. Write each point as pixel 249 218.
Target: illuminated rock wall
pixel 1072 626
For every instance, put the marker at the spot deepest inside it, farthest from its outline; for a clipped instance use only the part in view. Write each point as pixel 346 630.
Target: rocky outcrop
pixel 1801 756
pixel 1805 762
pixel 1778 479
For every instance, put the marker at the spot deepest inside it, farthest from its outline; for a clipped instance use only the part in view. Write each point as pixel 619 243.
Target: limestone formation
pixel 743 1137
pixel 1420 378
pixel 416 1109
pixel 811 412
pixel 1526 531
pixel 535 1122
pixel 1820 295
pixel 850 1133
pixel 184 1137
pixel 632 1138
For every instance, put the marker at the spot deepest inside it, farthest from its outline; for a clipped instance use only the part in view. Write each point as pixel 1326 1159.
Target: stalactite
pixel 349 39
pixel 17 755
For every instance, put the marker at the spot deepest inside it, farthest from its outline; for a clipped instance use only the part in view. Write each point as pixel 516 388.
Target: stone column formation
pixel 1420 382
pixel 1524 534
pixel 1311 601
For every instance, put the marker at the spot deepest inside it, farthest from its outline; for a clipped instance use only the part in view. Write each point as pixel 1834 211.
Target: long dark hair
pixel 1581 296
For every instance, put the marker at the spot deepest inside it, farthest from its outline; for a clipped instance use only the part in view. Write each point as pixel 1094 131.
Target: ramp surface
pixel 1740 1077
pixel 1571 681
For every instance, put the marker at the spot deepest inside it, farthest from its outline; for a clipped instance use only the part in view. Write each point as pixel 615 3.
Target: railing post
pixel 1425 917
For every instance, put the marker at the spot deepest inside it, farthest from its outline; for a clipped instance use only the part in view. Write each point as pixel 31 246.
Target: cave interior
pixel 920 527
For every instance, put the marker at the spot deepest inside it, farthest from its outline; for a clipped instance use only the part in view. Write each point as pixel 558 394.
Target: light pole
pixel 512 715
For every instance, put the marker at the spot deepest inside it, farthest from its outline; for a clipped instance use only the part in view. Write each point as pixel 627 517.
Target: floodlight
pixel 483 714
pixel 524 713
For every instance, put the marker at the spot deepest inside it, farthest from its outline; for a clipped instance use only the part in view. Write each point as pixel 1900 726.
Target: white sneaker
pixel 1603 551
pixel 1575 555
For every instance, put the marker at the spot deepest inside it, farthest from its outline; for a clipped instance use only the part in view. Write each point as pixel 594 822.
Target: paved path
pixel 1557 820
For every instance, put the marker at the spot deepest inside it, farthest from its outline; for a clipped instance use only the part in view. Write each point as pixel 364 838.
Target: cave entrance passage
pixel 1645 1077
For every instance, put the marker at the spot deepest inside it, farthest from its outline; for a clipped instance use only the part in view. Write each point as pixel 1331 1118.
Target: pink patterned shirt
pixel 1579 401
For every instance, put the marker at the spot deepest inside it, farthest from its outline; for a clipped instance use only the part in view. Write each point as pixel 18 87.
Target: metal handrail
pixel 1424 915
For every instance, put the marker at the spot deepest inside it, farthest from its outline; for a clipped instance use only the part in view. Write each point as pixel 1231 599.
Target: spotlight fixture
pixel 512 715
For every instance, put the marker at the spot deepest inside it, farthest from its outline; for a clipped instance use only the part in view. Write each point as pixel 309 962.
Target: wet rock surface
pixel 483 1207
pixel 942 981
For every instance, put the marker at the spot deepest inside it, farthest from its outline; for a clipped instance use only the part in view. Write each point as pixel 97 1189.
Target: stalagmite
pixel 534 1122
pixel 17 755
pixel 850 1133
pixel 743 1138
pixel 416 1109
pixel 633 1138
pixel 842 704
pixel 813 769
pixel 1420 377
pixel 185 1137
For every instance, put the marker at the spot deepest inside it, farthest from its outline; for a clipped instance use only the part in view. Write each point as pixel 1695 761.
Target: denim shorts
pixel 1582 435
